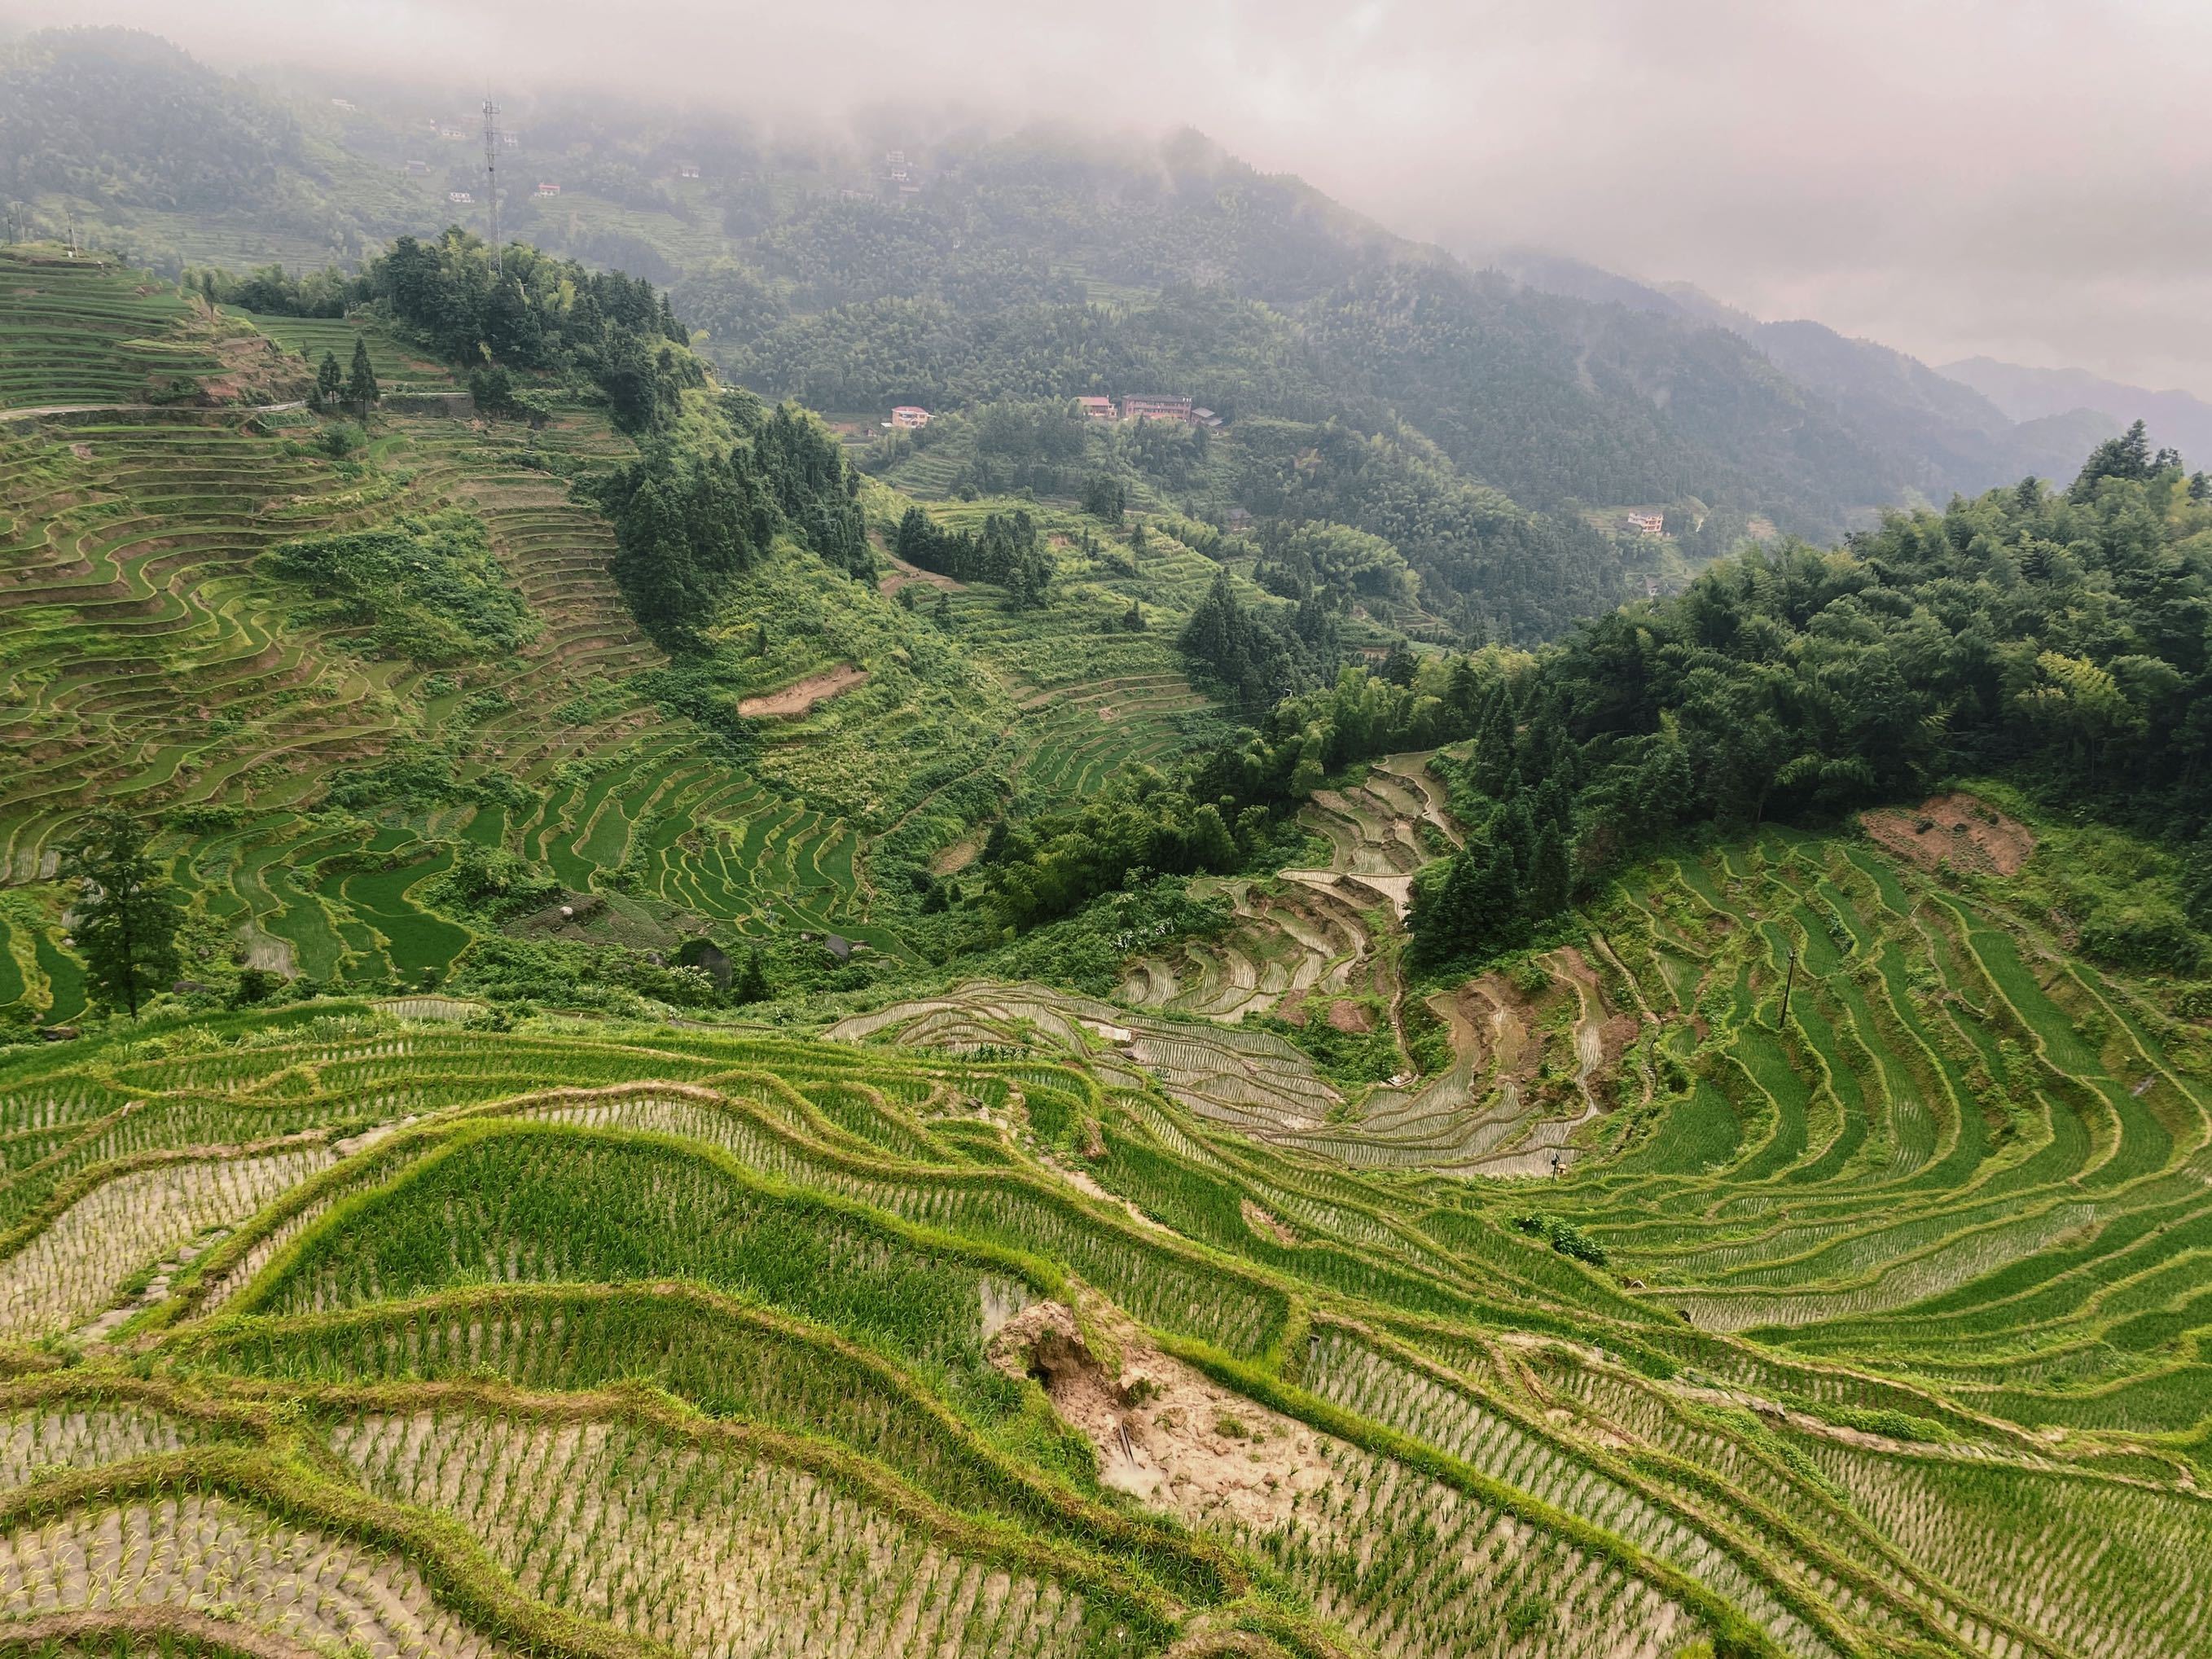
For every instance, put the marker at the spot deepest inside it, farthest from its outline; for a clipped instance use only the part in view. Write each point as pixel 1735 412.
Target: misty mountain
pixel 1934 429
pixel 965 268
pixel 2178 419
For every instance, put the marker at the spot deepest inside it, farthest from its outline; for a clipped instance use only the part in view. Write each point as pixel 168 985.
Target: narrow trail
pixel 40 410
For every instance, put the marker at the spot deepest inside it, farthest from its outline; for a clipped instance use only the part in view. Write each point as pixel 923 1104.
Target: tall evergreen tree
pixel 126 914
pixel 1551 873
pixel 329 381
pixel 362 390
pixel 751 984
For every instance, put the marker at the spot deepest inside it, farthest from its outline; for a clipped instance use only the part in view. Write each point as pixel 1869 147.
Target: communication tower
pixel 491 177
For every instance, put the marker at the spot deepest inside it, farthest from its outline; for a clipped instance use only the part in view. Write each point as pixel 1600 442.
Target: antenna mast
pixel 491 177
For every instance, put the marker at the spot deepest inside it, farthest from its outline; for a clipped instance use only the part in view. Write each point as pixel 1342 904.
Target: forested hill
pixel 957 273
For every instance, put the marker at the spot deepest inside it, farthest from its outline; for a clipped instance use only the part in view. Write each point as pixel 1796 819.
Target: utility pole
pixel 491 177
pixel 1790 980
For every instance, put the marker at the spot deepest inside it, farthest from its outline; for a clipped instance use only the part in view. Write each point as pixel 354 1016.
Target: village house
pixel 548 189
pixel 687 169
pixel 459 196
pixel 1138 406
pixel 1098 409
pixel 1645 524
pixel 418 169
pixel 908 416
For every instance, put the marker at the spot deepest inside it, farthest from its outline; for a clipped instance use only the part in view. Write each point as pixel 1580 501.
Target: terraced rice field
pixel 152 662
pixel 651 1342
pixel 1650 1323
pixel 88 331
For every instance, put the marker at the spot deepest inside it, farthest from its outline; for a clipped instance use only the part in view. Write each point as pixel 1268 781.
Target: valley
pixel 636 1023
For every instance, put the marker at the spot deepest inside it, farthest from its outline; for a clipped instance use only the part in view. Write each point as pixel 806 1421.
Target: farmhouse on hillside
pixel 1138 406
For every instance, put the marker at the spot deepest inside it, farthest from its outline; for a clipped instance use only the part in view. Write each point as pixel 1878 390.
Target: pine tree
pixel 1465 690
pixel 751 984
pixel 329 381
pixel 362 390
pixel 127 916
pixel 1513 827
pixel 1493 741
pixel 1551 874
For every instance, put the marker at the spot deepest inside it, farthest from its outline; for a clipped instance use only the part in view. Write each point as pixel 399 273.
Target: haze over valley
pixel 1305 833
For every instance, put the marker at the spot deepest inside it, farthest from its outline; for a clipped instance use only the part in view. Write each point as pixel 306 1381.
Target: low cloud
pixel 2021 177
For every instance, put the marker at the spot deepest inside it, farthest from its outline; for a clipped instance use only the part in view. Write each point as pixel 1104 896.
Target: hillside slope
pixel 1013 1327
pixel 961 270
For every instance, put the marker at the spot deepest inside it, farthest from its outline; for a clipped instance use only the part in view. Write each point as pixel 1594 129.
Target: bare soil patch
pixel 801 698
pixel 951 860
pixel 1166 1435
pixel 1954 829
pixel 1260 1221
pixel 903 574
pixel 1348 1016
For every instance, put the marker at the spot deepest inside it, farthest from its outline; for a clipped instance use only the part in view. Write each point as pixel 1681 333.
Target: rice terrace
pixel 637 1021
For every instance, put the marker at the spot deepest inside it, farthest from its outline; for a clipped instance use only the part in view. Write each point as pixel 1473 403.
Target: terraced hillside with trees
pixel 1012 1322
pixel 626 1038
pixel 379 672
pixel 1495 432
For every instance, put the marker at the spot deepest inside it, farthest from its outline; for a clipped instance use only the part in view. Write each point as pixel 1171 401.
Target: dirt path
pixel 801 698
pixel 139 408
pixel 903 574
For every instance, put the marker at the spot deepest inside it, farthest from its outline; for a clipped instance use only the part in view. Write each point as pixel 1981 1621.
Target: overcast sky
pixel 2027 178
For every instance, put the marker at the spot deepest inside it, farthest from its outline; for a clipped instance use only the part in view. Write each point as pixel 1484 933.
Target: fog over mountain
pixel 1862 166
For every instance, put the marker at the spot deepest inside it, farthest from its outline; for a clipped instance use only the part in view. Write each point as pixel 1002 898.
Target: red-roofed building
pixel 1098 409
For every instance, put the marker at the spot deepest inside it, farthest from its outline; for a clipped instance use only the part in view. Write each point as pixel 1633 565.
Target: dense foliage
pixel 2057 639
pixel 689 517
pixel 1007 552
pixel 522 309
pixel 424 588
pixel 113 114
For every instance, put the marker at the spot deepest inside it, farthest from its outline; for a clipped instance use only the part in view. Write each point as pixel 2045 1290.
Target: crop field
pixel 90 334
pixel 1800 1252
pixel 325 783
pixel 651 1340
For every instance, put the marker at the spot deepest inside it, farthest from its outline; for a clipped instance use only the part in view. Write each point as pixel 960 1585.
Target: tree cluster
pixel 1008 553
pixel 1253 653
pixel 688 519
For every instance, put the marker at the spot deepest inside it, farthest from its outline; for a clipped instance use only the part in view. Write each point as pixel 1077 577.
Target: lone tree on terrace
pixel 361 389
pixel 329 381
pixel 127 916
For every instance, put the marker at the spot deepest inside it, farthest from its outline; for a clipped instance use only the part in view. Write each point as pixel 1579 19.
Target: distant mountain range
pixel 2178 419
pixel 967 272
pixel 1963 427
